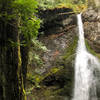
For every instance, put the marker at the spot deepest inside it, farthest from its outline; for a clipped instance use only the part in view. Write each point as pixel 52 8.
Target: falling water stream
pixel 85 65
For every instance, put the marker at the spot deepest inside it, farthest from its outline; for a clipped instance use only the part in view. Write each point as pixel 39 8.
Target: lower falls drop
pixel 85 65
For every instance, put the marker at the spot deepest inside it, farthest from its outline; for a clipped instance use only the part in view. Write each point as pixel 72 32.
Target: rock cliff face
pixel 60 29
pixel 60 37
pixel 60 33
pixel 91 20
pixel 61 21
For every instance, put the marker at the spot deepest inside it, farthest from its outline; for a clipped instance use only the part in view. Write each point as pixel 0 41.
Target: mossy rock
pixel 61 81
pixel 63 78
pixel 57 82
pixel 91 50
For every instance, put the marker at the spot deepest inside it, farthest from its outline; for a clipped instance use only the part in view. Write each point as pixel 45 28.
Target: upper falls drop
pixel 85 65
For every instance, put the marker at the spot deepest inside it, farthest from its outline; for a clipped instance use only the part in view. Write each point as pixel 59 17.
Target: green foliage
pixel 38 45
pixel 76 5
pixel 26 7
pixel 29 23
pixel 24 12
pixel 37 78
pixel 36 50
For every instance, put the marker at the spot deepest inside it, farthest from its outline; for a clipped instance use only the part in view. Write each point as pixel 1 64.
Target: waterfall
pixel 85 65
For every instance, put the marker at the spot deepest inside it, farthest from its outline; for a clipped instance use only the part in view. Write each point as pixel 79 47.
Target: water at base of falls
pixel 85 64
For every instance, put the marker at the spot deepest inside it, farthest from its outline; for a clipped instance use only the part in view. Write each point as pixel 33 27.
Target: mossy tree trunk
pixel 24 58
pixel 11 80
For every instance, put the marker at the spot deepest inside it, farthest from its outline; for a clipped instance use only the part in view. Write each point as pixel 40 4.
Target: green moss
pixel 77 7
pixel 48 92
pixel 71 50
pixel 90 49
pixel 60 78
pixel 19 75
pixel 36 78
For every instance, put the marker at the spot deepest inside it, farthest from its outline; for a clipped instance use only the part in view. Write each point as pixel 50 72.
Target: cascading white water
pixel 85 65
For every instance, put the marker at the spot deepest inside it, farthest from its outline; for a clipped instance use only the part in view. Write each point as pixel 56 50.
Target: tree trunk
pixel 11 80
pixel 24 57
